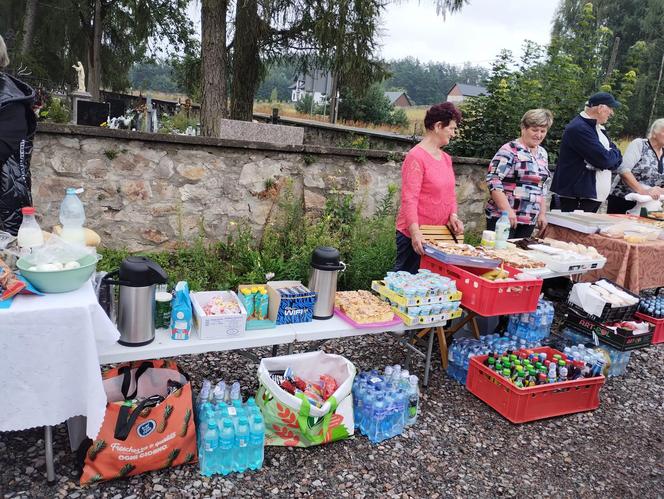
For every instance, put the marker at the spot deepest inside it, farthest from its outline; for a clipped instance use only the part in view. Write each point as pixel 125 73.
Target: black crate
pixel 620 339
pixel 610 314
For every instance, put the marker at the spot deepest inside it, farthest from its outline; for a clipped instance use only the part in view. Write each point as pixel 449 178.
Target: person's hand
pixel 541 221
pixel 456 224
pixel 511 215
pixel 417 240
pixel 655 192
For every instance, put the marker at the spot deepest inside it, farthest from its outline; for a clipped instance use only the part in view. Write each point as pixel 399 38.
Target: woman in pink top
pixel 427 186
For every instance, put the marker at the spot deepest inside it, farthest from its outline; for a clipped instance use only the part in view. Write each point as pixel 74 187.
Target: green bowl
pixel 59 281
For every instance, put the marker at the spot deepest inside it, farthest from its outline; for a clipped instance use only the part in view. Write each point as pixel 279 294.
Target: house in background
pixel 461 91
pixel 399 99
pixel 318 84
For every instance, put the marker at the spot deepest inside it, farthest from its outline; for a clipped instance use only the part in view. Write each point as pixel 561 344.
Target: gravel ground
pixel 458 447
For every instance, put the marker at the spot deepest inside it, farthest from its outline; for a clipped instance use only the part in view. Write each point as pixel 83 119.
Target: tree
pixel 28 26
pixel 247 64
pixel 214 61
pixel 371 107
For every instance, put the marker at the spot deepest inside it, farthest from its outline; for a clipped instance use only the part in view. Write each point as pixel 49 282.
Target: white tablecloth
pixel 49 367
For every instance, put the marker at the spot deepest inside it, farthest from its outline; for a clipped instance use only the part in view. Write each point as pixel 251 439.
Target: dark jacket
pixel 580 145
pixel 17 129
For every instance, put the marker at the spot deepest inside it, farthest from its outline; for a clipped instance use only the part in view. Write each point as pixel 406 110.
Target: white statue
pixel 80 71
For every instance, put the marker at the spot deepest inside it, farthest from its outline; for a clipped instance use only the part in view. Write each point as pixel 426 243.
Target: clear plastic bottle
pixel 502 231
pixel 29 233
pixel 413 400
pixel 226 446
pixel 242 441
pixel 256 442
pixel 72 217
pixel 210 443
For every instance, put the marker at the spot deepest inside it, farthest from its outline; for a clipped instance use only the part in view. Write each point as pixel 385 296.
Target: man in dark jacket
pixel 17 129
pixel 587 157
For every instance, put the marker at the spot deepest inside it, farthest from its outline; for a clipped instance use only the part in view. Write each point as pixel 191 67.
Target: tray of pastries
pixel 364 309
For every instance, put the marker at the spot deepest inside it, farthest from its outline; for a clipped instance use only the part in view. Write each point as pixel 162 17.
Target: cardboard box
pixel 212 327
pixel 295 314
pixel 252 321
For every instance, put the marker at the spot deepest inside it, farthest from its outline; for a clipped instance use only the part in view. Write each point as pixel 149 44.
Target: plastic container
pixel 72 217
pixel 486 297
pixel 29 233
pixel 520 405
pixel 59 281
pixel 620 339
pixel 609 313
pixel 502 231
pixel 658 334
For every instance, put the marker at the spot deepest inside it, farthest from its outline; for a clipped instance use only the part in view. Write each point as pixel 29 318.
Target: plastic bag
pixel 57 251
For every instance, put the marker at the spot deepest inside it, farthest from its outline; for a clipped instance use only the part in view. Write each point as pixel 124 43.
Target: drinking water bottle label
pixel 232 411
pixel 375 379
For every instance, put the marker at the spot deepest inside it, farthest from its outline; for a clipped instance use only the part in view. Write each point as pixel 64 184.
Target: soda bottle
pixel 502 231
pixel 72 217
pixel 226 447
pixel 413 392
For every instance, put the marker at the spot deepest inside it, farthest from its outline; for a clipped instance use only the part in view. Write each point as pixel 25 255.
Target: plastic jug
pixel 502 231
pixel 72 217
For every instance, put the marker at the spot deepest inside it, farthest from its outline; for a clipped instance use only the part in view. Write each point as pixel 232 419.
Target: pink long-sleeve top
pixel 427 190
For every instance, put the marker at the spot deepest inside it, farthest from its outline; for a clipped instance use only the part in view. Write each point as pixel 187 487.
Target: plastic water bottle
pixel 502 231
pixel 256 442
pixel 235 392
pixel 210 444
pixel 72 217
pixel 29 233
pixel 226 447
pixel 413 400
pixel 242 439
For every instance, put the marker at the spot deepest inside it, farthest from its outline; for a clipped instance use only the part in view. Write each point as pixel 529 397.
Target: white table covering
pixel 49 367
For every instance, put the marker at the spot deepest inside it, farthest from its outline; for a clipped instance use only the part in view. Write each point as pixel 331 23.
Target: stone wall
pixel 147 191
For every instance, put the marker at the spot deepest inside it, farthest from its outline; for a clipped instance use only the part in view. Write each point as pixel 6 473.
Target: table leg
pixel 442 344
pixel 407 363
pixel 275 350
pixel 290 349
pixel 475 327
pixel 427 362
pixel 48 444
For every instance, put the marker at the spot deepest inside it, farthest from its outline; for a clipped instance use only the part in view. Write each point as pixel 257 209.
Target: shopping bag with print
pixel 293 419
pixel 148 424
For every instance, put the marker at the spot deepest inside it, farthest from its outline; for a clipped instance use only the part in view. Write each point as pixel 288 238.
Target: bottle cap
pixel 28 210
pixel 506 372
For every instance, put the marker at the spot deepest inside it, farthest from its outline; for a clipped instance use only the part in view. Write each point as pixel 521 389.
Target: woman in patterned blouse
pixel 642 170
pixel 517 176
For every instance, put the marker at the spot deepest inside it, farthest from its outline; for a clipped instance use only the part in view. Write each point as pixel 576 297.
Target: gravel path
pixel 458 447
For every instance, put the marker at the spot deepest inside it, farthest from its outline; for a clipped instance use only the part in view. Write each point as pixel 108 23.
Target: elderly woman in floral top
pixel 641 171
pixel 517 176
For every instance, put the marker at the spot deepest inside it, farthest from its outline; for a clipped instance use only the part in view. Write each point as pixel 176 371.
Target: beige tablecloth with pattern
pixel 634 266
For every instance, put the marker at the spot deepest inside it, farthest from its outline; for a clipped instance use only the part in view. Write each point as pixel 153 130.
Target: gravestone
pixel 117 107
pixel 92 113
pixel 261 132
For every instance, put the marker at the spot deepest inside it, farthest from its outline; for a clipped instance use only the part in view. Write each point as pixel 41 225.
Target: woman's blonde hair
pixel 4 57
pixel 537 117
pixel 656 126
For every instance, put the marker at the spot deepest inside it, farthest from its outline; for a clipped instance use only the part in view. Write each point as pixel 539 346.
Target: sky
pixel 476 34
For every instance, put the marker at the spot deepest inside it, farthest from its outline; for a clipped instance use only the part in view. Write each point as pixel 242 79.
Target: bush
pixel 306 105
pixel 55 111
pixel 366 244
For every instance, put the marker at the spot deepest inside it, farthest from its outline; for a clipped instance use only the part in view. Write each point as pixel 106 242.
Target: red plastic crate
pixel 486 297
pixel 520 405
pixel 658 335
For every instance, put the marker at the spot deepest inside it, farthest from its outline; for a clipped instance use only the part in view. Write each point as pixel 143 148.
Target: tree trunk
pixel 334 98
pixel 94 54
pixel 246 60
pixel 28 26
pixel 214 62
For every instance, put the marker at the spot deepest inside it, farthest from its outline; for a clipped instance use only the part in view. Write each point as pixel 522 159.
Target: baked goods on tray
pixel 514 258
pixel 363 307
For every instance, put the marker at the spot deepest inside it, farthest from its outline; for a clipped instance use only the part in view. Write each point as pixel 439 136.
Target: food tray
pixel 609 313
pixel 620 339
pixel 545 256
pixel 488 298
pixel 466 261
pixel 380 288
pixel 658 334
pixel 410 320
pixel 520 405
pixel 370 325
pixel 586 223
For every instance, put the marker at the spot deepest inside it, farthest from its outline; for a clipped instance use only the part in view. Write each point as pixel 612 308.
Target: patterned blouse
pixel 641 160
pixel 522 176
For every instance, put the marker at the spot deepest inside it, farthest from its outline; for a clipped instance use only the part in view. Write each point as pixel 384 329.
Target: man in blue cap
pixel 587 157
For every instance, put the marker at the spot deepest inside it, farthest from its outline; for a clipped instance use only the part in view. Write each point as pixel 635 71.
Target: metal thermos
pixel 325 265
pixel 138 277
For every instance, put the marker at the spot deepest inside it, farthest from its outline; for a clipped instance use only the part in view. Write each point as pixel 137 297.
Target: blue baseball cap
pixel 602 98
